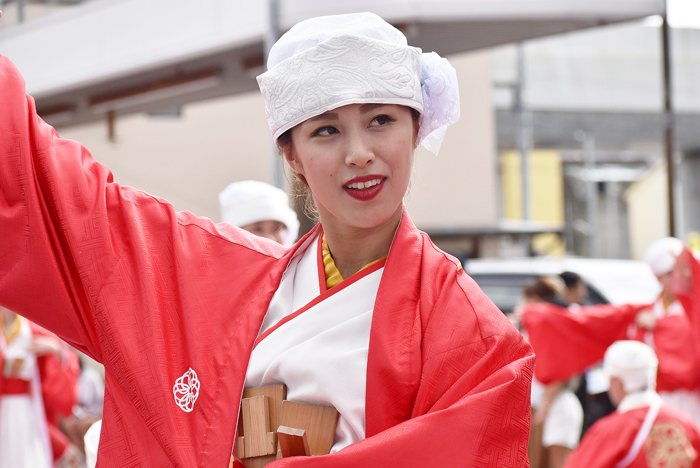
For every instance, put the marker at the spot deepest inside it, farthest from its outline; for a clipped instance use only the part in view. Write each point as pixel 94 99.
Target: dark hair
pixel 570 279
pixel 542 289
pixel 299 188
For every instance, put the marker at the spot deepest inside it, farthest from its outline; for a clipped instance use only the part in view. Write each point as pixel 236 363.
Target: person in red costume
pixel 38 386
pixel 670 326
pixel 363 313
pixel 558 414
pixel 644 432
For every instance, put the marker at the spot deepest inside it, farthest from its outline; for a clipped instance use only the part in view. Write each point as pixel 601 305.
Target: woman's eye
pixel 382 120
pixel 325 131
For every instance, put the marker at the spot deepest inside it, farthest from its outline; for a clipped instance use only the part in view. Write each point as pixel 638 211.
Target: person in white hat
pixel 261 209
pixel 670 325
pixel 644 432
pixel 364 313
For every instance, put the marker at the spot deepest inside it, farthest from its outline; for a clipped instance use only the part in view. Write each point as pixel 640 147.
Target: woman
pixel 37 388
pixel 423 368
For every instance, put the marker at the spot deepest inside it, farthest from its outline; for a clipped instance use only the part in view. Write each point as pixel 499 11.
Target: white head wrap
pixel 331 61
pixel 252 201
pixel 661 255
pixel 634 363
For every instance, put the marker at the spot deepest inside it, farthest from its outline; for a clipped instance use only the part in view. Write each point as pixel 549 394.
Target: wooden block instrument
pixel 271 427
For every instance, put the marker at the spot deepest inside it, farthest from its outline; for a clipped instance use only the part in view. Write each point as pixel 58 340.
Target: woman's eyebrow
pixel 325 115
pixel 364 108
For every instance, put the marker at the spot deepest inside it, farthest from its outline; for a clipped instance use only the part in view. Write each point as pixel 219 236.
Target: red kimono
pixel 171 304
pixel 672 441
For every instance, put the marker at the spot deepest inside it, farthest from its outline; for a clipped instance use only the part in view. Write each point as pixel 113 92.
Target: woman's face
pixel 666 281
pixel 357 161
pixel 269 229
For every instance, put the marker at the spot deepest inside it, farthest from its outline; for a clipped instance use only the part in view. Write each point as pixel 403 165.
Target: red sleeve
pixel 67 231
pixel 59 383
pixel 566 343
pixel 59 378
pixel 606 443
pixel 689 294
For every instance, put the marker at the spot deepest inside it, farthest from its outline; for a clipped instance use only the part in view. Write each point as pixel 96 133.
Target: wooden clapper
pixel 271 427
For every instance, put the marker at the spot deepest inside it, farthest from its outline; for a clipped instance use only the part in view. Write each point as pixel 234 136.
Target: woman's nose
pixel 359 152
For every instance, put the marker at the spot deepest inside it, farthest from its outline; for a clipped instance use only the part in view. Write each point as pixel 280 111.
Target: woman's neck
pixel 353 248
pixel 668 298
pixel 8 318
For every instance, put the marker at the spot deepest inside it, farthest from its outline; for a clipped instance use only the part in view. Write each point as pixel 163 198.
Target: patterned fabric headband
pixel 329 62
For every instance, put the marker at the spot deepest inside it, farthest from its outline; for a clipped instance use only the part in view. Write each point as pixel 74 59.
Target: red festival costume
pixel 672 441
pixel 153 294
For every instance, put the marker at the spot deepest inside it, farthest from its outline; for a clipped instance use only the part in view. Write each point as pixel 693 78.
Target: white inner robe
pixel 320 355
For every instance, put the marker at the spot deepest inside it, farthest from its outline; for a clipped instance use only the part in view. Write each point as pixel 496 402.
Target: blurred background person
pixel 261 209
pixel 671 325
pixel 643 432
pixel 39 387
pixel 575 289
pixel 557 412
pixel 593 396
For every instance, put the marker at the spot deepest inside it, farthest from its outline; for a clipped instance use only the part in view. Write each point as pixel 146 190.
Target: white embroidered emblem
pixel 186 390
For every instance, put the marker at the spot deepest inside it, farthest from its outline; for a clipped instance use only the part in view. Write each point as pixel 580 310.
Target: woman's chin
pixel 374 219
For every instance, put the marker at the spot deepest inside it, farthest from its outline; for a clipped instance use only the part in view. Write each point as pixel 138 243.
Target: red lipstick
pixel 364 188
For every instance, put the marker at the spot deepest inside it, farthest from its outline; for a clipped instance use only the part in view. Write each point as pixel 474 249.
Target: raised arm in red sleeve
pixel 567 342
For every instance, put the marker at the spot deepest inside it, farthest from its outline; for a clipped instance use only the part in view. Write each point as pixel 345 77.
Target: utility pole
pixel 273 33
pixel 668 123
pixel 588 142
pixel 523 132
pixel 21 7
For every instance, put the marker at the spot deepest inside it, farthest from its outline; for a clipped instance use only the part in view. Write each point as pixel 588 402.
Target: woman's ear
pixel 416 129
pixel 290 156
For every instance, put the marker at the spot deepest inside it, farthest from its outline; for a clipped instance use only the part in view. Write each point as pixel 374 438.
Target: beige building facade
pixel 188 159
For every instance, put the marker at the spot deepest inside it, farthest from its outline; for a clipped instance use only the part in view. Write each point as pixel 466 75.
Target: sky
pixel 684 13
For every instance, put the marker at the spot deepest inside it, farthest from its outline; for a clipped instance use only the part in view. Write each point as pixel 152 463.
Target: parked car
pixel 608 281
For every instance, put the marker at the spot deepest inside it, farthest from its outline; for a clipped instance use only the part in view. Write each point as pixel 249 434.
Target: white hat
pixel 633 362
pixel 661 255
pixel 252 201
pixel 328 62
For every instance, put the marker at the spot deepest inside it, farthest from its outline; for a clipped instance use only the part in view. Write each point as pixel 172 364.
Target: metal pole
pixel 668 122
pixel 273 33
pixel 20 11
pixel 524 131
pixel 591 193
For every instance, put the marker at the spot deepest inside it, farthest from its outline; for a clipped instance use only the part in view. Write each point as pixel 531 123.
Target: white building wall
pixel 458 187
pixel 615 68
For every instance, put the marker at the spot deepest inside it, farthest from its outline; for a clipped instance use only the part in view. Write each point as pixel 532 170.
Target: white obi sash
pixel 316 341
